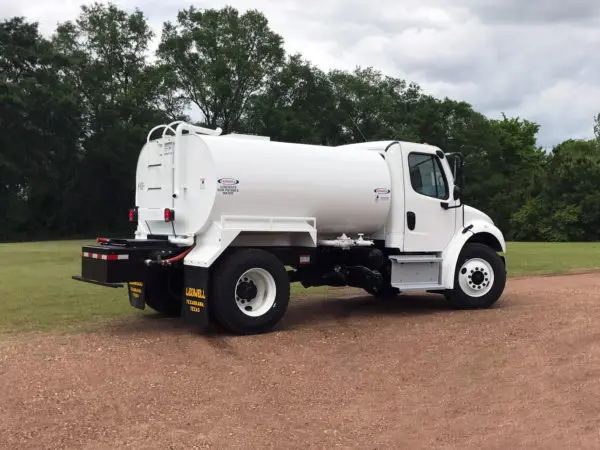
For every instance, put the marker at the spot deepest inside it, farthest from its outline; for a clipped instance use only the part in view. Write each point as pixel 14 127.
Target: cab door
pixel 428 226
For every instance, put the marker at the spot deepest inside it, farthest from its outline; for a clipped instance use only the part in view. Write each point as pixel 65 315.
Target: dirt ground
pixel 352 372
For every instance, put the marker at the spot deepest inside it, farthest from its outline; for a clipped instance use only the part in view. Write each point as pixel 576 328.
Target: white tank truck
pixel 226 222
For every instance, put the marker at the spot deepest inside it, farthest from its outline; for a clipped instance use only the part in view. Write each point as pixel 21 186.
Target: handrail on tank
pixel 197 129
pixel 188 126
pixel 153 130
pixel 170 127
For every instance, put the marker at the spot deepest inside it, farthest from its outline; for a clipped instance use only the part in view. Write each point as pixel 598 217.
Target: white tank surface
pixel 345 190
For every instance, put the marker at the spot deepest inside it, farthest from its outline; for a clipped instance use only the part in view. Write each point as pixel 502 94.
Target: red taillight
pixel 133 214
pixel 169 215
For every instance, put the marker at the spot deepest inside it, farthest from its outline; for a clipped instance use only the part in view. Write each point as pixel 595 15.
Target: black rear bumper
pixel 116 262
pixel 119 260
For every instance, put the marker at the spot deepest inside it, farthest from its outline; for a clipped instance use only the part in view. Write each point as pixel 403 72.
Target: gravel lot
pixel 351 372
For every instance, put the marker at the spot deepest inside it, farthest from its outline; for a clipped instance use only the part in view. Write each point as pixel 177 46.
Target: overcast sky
pixel 537 59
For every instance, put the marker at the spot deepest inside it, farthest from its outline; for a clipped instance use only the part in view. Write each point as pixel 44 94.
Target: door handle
pixel 411 220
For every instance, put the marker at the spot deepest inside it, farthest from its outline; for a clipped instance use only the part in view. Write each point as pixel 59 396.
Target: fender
pixel 479 231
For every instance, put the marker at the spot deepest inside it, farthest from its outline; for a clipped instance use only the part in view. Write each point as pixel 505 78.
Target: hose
pixel 178 257
pixel 168 262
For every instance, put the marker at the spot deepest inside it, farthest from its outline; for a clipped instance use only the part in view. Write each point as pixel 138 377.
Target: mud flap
pixel 137 294
pixel 195 296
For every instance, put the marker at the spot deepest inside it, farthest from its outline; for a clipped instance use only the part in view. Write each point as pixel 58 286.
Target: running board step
pixel 416 272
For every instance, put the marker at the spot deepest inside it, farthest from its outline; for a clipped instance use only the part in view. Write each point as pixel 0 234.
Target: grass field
pixel 37 292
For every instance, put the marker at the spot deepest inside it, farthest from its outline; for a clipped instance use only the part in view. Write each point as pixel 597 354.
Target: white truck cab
pixel 224 223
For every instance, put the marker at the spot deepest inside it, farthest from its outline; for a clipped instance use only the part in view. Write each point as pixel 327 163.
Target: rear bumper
pixel 119 260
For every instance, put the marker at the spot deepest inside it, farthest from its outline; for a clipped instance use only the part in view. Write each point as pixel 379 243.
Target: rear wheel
pixel 250 292
pixel 165 307
pixel 479 278
pixel 163 293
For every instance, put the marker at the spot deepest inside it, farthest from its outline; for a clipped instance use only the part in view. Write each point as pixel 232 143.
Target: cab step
pixel 417 272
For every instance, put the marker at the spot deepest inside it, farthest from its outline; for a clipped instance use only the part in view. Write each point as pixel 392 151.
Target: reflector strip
pixel 104 257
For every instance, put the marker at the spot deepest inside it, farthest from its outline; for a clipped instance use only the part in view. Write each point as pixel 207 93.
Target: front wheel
pixel 251 291
pixel 479 278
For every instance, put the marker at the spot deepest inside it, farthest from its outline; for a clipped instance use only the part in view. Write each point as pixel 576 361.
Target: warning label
pixel 228 186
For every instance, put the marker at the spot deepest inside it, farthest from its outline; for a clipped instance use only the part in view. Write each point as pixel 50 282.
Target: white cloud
pixel 533 59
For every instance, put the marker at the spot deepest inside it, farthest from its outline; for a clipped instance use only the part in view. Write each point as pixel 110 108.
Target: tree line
pixel 75 108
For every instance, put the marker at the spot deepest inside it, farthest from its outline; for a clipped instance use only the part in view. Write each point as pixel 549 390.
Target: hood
pixel 475 214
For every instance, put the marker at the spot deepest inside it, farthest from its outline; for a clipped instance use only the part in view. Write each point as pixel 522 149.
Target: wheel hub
pixel 255 292
pixel 246 290
pixel 476 277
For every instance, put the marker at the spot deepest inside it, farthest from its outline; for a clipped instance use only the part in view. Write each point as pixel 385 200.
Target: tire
pixel 165 287
pixel 479 278
pixel 165 308
pixel 240 308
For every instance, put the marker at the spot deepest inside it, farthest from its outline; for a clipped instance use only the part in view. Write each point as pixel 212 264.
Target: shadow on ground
pixel 303 313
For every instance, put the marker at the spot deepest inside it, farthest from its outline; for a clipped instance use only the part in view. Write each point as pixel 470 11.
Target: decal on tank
pixel 382 191
pixel 228 186
pixel 382 194
pixel 228 181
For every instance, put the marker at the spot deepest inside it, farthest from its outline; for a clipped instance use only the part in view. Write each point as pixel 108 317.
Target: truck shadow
pixel 303 312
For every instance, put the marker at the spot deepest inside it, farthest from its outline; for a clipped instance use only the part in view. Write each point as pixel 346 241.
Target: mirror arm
pixel 446 205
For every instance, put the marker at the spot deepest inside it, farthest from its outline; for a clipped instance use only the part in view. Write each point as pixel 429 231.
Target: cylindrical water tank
pixel 346 190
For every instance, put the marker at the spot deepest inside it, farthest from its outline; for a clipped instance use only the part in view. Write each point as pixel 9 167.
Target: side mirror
pixel 455 196
pixel 456 193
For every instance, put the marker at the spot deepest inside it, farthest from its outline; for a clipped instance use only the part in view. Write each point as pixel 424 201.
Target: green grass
pixel 37 292
pixel 532 258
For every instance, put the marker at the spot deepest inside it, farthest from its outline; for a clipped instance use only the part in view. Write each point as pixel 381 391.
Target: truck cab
pixel 423 215
pixel 429 226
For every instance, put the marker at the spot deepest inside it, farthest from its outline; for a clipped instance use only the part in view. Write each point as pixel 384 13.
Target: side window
pixel 427 176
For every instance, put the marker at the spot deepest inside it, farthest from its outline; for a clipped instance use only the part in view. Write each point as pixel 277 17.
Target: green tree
pixel 296 106
pixel 515 168
pixel 564 206
pixel 222 60
pixel 371 106
pixel 105 57
pixel 40 119
pixel 75 110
